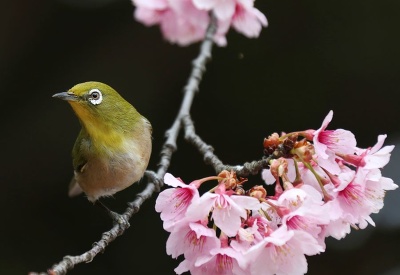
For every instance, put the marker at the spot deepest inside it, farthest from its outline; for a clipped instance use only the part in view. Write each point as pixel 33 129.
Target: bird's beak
pixel 66 96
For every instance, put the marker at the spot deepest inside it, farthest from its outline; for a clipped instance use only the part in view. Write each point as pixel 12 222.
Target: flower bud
pixel 258 192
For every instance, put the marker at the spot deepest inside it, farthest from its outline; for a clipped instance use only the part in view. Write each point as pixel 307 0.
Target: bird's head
pixel 100 109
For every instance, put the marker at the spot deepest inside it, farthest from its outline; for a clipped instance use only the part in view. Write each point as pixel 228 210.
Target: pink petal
pixel 183 266
pixel 249 22
pixel 200 209
pixel 379 144
pixel 224 10
pixel 170 180
pixel 227 220
pixel 327 120
pixel 246 202
pixel 148 17
pixel 388 184
pixel 163 199
pixel 267 177
pixel 151 4
pixel 204 4
pixel 378 159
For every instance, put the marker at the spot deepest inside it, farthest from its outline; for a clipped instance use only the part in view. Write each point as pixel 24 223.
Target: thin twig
pixel 69 262
pixel 207 151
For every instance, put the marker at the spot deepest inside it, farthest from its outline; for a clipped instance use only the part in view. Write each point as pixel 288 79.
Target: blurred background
pixel 315 56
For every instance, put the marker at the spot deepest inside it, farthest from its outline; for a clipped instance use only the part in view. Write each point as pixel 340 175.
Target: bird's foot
pixel 152 176
pixel 117 218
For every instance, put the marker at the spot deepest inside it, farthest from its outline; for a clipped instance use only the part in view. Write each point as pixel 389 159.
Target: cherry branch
pixel 207 151
pixel 69 262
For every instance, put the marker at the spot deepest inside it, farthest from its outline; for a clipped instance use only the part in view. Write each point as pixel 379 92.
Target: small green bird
pixel 113 148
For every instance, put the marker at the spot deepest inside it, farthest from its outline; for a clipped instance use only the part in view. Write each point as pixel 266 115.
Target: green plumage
pixel 113 147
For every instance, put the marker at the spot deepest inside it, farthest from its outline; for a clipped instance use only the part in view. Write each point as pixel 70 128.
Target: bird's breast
pixel 114 169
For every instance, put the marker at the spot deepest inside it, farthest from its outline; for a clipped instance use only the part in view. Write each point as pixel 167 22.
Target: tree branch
pixel 207 151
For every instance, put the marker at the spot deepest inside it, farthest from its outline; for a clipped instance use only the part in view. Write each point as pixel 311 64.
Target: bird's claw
pixel 119 219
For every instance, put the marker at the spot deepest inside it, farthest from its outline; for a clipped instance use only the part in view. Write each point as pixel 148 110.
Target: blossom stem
pixel 326 195
pixel 265 214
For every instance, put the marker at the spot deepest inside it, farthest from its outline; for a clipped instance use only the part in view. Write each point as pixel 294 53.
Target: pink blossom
pixel 185 21
pixel 221 260
pixel 244 17
pixel 226 231
pixel 338 141
pixel 375 186
pixel 329 142
pixel 180 21
pixel 358 200
pixel 227 210
pixel 283 252
pixel 377 157
pixel 248 20
pixel 343 178
pixel 204 252
pixel 370 158
pixel 307 210
pixel 173 202
pixel 375 190
pixel 150 12
pixel 253 233
pixel 191 239
pixel 224 10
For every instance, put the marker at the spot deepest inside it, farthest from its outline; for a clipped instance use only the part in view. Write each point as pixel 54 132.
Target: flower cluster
pixel 324 185
pixel 185 21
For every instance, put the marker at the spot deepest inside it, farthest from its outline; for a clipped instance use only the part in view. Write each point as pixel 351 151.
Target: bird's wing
pixel 79 163
pixel 74 189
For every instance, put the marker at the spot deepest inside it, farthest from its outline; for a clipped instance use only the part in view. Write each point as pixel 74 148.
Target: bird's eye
pixel 95 96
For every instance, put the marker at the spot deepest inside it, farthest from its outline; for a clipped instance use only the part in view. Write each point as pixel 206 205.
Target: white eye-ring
pixel 95 96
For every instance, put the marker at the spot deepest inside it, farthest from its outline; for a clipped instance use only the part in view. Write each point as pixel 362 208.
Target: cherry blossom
pixel 221 260
pixel 191 239
pixel 186 21
pixel 329 142
pixel 306 210
pixel 324 187
pixel 173 203
pixel 283 252
pixel 227 209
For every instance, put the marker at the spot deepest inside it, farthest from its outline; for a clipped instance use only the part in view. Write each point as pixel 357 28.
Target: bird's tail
pixel 74 189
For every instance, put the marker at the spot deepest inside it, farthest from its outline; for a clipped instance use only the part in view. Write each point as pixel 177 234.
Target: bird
pixel 113 147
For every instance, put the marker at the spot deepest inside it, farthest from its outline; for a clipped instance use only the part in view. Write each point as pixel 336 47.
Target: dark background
pixel 314 56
